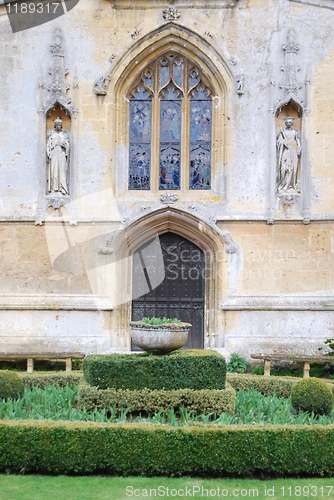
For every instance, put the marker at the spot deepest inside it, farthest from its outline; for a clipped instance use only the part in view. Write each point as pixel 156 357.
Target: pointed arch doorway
pixel 168 280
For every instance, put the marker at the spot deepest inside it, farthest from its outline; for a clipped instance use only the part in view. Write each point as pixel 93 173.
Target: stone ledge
pixel 160 4
pixel 279 303
pixel 55 302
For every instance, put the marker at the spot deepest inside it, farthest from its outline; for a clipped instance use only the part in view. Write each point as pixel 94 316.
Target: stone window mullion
pixel 155 143
pixel 185 144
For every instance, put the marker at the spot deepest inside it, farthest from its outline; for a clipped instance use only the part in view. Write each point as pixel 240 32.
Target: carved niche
pixel 58 112
pixel 288 119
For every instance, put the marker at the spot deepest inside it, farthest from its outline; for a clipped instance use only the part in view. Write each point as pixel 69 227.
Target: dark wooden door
pixel 168 280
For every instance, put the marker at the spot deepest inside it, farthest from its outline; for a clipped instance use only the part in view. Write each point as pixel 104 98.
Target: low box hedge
pixel 157 450
pixel 266 385
pixel 201 402
pixel 44 380
pixel 188 369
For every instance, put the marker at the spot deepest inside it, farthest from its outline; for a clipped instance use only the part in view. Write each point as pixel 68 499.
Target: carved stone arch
pixel 125 72
pixel 289 101
pixel 184 39
pixel 191 228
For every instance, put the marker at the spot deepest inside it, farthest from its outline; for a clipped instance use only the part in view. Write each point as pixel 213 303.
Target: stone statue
pixel 57 150
pixel 288 149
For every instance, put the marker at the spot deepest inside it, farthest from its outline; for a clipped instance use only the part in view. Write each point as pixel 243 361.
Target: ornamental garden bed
pixel 167 445
pixel 264 435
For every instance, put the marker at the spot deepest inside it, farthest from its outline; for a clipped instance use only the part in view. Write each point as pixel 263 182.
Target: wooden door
pixel 168 280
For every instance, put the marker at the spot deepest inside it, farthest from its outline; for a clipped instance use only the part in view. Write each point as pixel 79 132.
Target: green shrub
pixel 11 385
pixel 312 395
pixel 285 371
pixel 258 370
pixel 42 381
pixel 266 385
pixel 84 448
pixel 201 402
pixel 160 321
pixel 237 363
pixel 188 369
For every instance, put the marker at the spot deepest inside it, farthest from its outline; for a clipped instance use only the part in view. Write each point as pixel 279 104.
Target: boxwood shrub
pixel 188 369
pixel 312 395
pixel 201 402
pixel 156 450
pixel 11 386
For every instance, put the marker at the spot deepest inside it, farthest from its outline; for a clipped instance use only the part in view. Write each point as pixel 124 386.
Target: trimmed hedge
pixel 201 402
pixel 266 385
pixel 188 369
pixel 11 385
pixel 44 380
pixel 157 450
pixel 312 395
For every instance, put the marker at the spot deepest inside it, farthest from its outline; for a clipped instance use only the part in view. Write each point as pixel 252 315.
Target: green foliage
pixel 318 370
pixel 265 385
pixel 254 408
pixel 84 448
pixel 188 369
pixel 237 363
pixel 284 371
pixel 200 402
pixel 53 402
pixel 330 343
pixel 295 369
pixel 251 407
pixel 312 395
pixel 42 381
pixel 11 385
pixel 160 321
pixel 258 370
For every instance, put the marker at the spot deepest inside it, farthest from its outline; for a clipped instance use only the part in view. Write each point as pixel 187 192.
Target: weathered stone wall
pixel 275 286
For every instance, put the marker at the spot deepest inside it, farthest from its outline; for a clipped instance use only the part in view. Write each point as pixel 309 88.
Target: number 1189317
pixel 32 8
pixel 306 491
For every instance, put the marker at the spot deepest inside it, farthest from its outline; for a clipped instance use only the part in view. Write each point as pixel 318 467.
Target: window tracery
pixel 170 126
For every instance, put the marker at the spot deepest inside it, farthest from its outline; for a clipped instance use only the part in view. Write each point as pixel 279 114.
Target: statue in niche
pixel 58 150
pixel 288 149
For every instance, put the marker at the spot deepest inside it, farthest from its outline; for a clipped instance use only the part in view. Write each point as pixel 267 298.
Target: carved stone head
pixel 58 123
pixel 289 121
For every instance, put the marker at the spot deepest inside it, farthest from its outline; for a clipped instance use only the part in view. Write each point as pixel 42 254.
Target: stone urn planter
pixel 159 339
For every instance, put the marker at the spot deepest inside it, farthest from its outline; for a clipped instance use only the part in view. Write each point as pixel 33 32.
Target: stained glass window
pixel 173 137
pixel 200 140
pixel 170 139
pixel 140 140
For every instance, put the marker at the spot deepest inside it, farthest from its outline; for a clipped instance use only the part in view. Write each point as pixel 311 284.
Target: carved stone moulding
pixel 325 4
pixel 168 198
pixel 158 4
pixel 171 14
pixel 56 202
pixel 306 216
pixel 288 199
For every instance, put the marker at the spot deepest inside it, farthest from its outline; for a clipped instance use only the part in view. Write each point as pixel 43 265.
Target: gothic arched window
pixel 170 126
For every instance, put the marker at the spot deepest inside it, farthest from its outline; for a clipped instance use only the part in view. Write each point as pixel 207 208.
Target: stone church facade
pixel 171 159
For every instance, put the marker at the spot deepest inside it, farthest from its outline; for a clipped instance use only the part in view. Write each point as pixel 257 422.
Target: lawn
pixel 120 488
